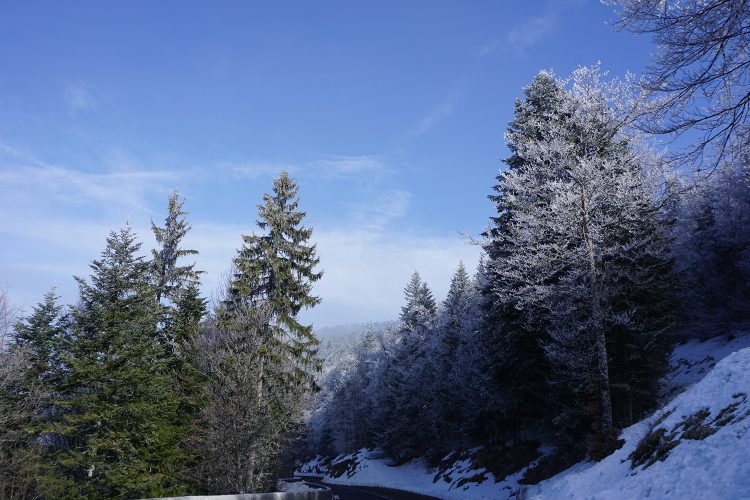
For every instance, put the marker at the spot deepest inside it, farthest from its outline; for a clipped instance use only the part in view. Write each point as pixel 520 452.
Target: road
pixel 367 493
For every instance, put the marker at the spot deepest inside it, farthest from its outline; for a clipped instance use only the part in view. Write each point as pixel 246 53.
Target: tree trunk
pixel 598 321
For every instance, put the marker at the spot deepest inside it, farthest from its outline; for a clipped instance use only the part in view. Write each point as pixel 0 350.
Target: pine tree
pixel 170 278
pixel 277 268
pixel 43 333
pixel 24 372
pixel 190 381
pixel 586 246
pixel 181 311
pixel 265 360
pixel 403 429
pixel 448 380
pixel 518 368
pixel 420 306
pixel 118 401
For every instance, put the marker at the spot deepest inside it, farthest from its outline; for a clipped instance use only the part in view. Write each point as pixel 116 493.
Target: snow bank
pixel 290 486
pixel 698 446
pixel 461 479
pixel 692 360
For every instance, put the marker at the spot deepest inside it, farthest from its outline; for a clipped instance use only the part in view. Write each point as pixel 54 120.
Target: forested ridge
pixel 603 250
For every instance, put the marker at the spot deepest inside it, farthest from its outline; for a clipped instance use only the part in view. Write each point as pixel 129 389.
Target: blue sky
pixel 389 114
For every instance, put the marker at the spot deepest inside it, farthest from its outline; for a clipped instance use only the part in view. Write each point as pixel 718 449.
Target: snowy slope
pixel 692 360
pixel 370 468
pixel 698 446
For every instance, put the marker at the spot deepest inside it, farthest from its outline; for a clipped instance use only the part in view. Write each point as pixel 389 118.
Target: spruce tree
pixel 181 311
pixel 515 360
pixel 420 306
pixel 277 268
pixel 43 333
pixel 117 398
pixel 402 422
pixel 588 262
pixel 171 278
pixel 267 359
pixel 448 380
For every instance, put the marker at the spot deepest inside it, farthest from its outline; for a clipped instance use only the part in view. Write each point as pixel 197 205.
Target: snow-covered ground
pixel 292 486
pixel 370 468
pixel 692 360
pixel 696 446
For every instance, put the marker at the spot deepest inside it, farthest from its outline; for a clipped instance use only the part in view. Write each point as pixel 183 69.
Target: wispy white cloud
pixel 254 170
pixel 375 213
pixel 530 32
pixel 443 109
pixel 28 181
pixel 351 167
pixel 79 96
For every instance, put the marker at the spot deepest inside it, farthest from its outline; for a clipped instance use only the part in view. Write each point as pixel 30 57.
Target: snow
pixel 290 486
pixel 692 360
pixel 709 385
pixel 372 469
pixel 715 467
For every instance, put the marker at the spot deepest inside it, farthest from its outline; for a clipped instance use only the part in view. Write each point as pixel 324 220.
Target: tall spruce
pixel 171 278
pixel 277 268
pixel 447 381
pixel 267 358
pixel 400 423
pixel 420 307
pixel 589 262
pixel 117 398
pixel 181 307
pixel 519 370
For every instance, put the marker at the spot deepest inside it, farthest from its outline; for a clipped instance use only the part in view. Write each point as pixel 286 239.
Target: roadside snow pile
pixel 692 360
pixel 292 485
pixel 698 446
pixel 457 477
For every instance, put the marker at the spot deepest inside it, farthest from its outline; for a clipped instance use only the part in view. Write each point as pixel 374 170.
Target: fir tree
pixel 420 306
pixel 117 397
pixel 277 268
pixel 267 360
pixel 170 278
pixel 515 360
pixel 586 246
pixel 403 430
pixel 43 333
pixel 182 309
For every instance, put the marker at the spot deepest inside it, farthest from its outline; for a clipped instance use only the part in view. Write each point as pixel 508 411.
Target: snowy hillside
pixel 696 446
pixel 461 479
pixel 692 360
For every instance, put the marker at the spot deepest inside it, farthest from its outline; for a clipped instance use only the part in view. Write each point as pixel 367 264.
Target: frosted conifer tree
pixel 588 259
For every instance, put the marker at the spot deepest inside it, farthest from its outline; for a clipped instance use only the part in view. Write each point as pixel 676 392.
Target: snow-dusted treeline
pixel 598 256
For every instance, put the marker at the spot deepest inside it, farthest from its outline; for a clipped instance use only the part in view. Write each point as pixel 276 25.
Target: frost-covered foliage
pixel 562 337
pixel 405 388
pixel 580 264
